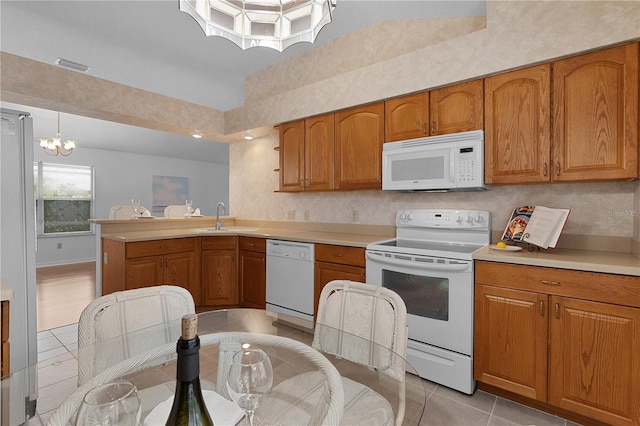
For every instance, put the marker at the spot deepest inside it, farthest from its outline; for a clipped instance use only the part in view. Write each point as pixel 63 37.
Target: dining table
pixel 154 371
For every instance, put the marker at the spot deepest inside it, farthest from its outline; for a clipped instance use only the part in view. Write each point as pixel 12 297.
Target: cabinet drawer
pixel 159 247
pixel 253 244
pixel 218 243
pixel 353 256
pixel 600 287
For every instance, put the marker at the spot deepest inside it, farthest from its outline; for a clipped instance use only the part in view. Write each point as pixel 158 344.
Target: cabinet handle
pixel 557 310
pixel 545 169
pixel 162 263
pixel 541 308
pixel 252 244
pixel 339 255
pixel 547 282
pixel 433 127
pixel 424 128
pixel 558 168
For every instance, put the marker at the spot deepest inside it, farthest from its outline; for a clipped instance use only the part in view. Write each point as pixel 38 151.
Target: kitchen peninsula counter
pixel 579 260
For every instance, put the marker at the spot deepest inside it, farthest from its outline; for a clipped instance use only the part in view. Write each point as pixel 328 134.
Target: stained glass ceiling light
pixel 268 23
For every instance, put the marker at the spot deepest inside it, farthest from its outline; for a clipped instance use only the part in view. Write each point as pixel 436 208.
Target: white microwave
pixel 453 162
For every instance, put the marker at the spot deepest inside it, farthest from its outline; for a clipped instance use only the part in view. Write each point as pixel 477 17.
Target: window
pixel 64 198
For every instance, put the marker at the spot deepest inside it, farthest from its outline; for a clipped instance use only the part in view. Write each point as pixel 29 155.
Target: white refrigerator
pixel 17 264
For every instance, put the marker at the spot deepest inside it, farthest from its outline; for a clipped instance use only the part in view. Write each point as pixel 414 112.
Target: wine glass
pixel 189 203
pixel 250 377
pixel 110 404
pixel 136 206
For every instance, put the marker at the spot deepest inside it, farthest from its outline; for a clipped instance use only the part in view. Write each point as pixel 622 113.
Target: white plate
pixel 507 248
pixel 145 217
pixel 193 215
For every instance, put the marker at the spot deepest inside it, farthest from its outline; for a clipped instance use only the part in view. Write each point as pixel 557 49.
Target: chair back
pixel 366 324
pixel 178 210
pixel 123 312
pixel 124 212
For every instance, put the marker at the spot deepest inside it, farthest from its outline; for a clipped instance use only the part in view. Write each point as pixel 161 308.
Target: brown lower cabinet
pixel 337 263
pixel 252 272
pixel 566 341
pixel 219 272
pixel 5 351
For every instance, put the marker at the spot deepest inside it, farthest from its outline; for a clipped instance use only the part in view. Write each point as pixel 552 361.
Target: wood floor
pixel 63 292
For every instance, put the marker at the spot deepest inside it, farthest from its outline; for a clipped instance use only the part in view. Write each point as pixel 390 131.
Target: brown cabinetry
pixel 406 117
pixel 5 350
pixel 359 138
pixel 592 109
pixel 456 108
pixel 337 263
pixel 307 154
pixel 595 117
pixel 567 339
pixel 252 272
pixel 219 272
pixel 147 263
pixel 517 140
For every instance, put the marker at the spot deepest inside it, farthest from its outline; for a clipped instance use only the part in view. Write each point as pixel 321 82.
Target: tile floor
pixel 57 375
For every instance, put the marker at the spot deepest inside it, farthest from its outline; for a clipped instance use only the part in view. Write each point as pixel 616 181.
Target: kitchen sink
pixel 230 229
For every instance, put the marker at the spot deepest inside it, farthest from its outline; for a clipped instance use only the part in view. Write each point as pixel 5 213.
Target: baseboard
pixel 65 262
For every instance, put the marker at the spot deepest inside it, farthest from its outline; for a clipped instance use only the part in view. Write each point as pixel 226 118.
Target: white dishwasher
pixel 290 278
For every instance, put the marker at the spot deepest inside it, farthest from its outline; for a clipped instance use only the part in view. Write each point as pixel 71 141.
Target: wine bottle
pixel 188 405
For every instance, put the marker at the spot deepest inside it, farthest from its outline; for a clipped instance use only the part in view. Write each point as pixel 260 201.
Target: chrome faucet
pixel 224 208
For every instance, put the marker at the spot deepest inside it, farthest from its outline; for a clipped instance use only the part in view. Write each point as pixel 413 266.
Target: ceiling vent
pixel 72 65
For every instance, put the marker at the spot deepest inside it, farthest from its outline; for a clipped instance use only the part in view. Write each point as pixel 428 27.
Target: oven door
pixel 438 293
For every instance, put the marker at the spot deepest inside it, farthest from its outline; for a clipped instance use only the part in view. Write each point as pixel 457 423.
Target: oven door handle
pixel 421 265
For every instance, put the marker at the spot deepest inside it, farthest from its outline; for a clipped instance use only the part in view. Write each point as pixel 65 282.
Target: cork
pixel 189 326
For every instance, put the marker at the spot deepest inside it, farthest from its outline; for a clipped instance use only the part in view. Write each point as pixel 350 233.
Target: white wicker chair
pixel 229 342
pixel 378 317
pixel 123 312
pixel 178 210
pixel 124 212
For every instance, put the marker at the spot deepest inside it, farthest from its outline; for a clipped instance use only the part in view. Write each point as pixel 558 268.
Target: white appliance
pixel 453 162
pixel 429 264
pixel 17 262
pixel 290 278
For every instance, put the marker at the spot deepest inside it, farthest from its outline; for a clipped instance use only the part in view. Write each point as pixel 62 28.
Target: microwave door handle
pixel 432 267
pixel 452 168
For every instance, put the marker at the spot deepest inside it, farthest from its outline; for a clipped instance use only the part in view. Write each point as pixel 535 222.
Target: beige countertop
pixel 305 236
pixel 6 292
pixel 583 260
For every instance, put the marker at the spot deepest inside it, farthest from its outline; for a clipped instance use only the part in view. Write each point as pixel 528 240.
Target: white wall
pixel 119 177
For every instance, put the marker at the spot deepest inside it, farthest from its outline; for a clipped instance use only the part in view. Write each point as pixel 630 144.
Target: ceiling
pixel 151 45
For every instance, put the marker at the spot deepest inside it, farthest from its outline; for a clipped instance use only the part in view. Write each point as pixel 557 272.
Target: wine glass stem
pixel 250 415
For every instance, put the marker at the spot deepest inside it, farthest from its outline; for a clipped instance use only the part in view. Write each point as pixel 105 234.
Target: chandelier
pixel 276 24
pixel 54 146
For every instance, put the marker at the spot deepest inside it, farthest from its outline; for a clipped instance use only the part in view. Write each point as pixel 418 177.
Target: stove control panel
pixel 444 218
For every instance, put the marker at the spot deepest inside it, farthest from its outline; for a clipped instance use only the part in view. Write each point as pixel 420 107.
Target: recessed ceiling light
pixel 248 137
pixel 197 135
pixel 72 65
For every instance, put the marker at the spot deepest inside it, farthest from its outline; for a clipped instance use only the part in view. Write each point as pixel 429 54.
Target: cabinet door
pixel 253 279
pixel 510 340
pixel 325 272
pixel 219 279
pixel 517 126
pixel 319 158
pixel 456 108
pixel 596 115
pixel 181 269
pixel 359 139
pixel 595 360
pixel 292 156
pixel 406 117
pixel 144 272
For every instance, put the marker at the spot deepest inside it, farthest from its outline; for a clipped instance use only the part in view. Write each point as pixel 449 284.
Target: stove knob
pixel 403 217
pixel 478 219
pixel 459 219
pixel 410 216
pixel 469 219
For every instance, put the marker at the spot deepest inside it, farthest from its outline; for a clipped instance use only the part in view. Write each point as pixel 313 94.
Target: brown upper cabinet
pixel 517 138
pixel 451 109
pixel 406 117
pixel 595 116
pixel 456 108
pixel 307 154
pixel 359 139
pixel 592 109
pixel 292 156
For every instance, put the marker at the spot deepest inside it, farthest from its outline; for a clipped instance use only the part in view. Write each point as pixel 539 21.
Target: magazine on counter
pixel 537 225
